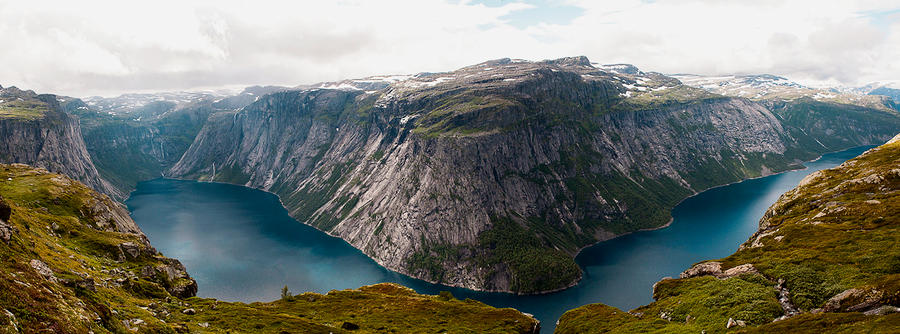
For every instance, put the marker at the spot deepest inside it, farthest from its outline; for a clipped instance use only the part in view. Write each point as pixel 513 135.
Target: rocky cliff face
pixel 493 176
pixel 132 140
pixel 35 130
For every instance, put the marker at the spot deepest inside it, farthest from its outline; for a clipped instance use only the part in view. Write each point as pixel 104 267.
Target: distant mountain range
pixel 766 86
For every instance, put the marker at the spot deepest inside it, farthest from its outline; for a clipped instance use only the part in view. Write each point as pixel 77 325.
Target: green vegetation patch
pixel 684 306
pixel 380 308
pixel 535 266
pixel 23 109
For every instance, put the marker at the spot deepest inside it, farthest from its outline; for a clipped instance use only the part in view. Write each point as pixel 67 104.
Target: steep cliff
pixel 35 130
pixel 127 150
pixel 825 259
pixel 492 177
pixel 136 137
pixel 74 262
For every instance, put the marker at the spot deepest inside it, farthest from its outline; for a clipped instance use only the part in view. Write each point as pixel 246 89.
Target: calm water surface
pixel 241 245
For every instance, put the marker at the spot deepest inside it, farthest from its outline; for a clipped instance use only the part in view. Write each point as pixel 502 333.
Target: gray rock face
pixel 714 269
pixel 422 175
pixel 174 276
pixel 129 150
pixel 52 141
pixel 41 268
pixel 855 300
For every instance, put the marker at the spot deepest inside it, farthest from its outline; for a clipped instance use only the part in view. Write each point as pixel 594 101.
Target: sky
pixel 84 48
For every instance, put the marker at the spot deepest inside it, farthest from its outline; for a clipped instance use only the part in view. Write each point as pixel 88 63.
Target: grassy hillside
pixel 71 261
pixel 825 259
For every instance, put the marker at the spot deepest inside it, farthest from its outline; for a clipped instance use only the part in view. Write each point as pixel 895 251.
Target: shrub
pixel 286 294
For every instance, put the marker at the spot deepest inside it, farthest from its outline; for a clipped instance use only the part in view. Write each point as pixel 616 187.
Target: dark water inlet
pixel 241 245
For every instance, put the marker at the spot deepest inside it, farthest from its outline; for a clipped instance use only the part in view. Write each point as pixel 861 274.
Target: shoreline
pixel 575 255
pixel 672 219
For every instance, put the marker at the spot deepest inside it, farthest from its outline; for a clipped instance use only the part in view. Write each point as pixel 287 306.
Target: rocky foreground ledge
pixel 73 261
pixel 825 259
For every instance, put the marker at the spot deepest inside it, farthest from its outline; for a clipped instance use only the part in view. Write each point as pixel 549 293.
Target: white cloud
pixel 97 47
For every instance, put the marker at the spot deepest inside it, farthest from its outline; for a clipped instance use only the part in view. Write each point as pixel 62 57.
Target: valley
pixel 241 245
pixel 516 183
pixel 492 177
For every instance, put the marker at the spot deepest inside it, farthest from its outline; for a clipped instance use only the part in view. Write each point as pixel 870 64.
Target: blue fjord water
pixel 241 245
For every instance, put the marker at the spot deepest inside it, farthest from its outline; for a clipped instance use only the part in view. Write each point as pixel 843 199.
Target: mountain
pixel 34 129
pixel 128 150
pixel 136 137
pixel 149 105
pixel 823 260
pixel 128 139
pixel 893 93
pixel 494 176
pixel 75 262
pixel 771 87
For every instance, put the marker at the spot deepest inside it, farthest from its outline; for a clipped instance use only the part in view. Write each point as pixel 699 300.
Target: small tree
pixel 286 294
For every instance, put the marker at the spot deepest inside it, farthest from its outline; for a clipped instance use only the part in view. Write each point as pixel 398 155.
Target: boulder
pixel 174 276
pixel 43 270
pixel 854 300
pixel 713 268
pixel 180 328
pixel 130 250
pixel 731 323
pixel 6 231
pixel 884 309
pixel 84 283
pixel 703 269
pixel 738 270
pixel 186 289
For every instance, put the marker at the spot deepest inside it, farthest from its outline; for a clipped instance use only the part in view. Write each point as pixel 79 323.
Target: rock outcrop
pixel 38 132
pixel 713 268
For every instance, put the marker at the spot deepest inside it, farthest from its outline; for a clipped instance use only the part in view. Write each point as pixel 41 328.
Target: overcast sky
pixel 83 48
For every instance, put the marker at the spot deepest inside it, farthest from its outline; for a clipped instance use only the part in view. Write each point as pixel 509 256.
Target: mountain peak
pixel 620 68
pixel 569 61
